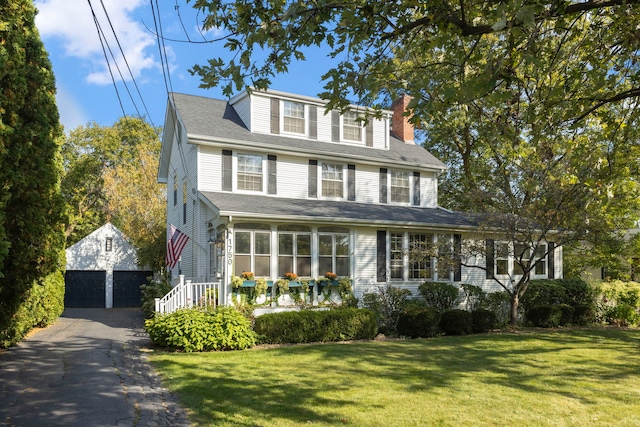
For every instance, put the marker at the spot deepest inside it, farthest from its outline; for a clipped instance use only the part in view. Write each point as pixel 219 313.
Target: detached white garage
pixel 102 271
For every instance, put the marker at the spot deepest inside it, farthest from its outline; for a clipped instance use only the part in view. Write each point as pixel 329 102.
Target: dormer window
pixel 351 127
pixel 249 172
pixel 293 117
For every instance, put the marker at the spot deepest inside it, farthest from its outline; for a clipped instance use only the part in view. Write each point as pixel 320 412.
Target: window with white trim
pixel 293 117
pixel 420 258
pixel 540 259
pixel 250 172
pixel 252 250
pixel 351 127
pixel 332 180
pixel 333 251
pixel 294 250
pixel 400 186
pixel 396 259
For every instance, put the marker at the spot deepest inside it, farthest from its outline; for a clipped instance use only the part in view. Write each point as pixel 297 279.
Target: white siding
pixel 428 190
pixel 260 113
pixel 380 134
pixel 324 125
pixel 365 267
pixel 293 177
pixel 209 169
pixel 90 253
pixel 367 184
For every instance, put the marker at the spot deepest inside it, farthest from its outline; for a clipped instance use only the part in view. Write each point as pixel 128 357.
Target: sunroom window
pixel 294 250
pixel 333 251
pixel 252 250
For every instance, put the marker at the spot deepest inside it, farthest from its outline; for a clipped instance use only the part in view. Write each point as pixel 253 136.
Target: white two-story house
pixel 270 182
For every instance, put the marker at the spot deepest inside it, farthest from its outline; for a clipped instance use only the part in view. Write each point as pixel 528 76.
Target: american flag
pixel 175 244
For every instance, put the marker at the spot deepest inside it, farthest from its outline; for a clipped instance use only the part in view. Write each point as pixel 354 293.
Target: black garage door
pixel 126 287
pixel 84 289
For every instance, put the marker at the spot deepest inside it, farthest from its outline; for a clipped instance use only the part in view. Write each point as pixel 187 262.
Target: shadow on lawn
pixel 242 388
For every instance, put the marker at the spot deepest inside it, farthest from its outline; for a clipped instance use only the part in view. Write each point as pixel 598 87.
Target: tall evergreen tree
pixel 31 208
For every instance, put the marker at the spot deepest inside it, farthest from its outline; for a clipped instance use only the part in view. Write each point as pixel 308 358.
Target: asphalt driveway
pixel 87 369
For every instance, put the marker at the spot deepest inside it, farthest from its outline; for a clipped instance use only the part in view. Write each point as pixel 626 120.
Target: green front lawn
pixel 583 377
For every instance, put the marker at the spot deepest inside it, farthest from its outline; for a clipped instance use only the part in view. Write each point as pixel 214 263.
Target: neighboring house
pixel 102 271
pixel 630 266
pixel 268 182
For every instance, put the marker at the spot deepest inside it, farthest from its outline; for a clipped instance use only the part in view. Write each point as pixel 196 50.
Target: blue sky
pixel 85 89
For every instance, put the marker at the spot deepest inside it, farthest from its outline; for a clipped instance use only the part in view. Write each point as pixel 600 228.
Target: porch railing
pixel 187 294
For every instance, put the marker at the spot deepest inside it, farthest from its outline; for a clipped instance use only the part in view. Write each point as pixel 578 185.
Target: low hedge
pixel 418 322
pixel 584 314
pixel 316 326
pixel 194 329
pixel 545 315
pixel 483 320
pixel 456 322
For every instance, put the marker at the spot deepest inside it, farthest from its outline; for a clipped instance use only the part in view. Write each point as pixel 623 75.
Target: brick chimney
pixel 400 125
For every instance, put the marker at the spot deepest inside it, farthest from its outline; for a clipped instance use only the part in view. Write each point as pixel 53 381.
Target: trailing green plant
pixel 456 322
pixel 545 315
pixel 483 320
pixel 316 326
pixel 439 295
pixel 282 285
pixel 386 303
pixel 189 330
pixel 236 281
pixel 418 321
pixel 149 292
pixel 261 287
pixel 473 296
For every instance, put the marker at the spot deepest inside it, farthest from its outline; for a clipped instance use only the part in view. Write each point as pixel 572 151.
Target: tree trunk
pixel 515 302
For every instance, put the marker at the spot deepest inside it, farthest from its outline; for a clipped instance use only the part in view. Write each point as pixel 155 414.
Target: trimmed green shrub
pixel 623 315
pixel 316 326
pixel 456 322
pixel 583 314
pixel 557 291
pixel 545 315
pixel 567 314
pixel 199 330
pixel 483 320
pixel 149 292
pixel 418 322
pixel 44 303
pixel 386 304
pixel 439 295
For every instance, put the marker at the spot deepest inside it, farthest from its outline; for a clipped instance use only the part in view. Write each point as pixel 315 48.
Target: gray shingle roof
pixel 214 118
pixel 274 208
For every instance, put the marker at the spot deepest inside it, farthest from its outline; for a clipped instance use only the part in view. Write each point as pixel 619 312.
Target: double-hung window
pixel 351 127
pixel 333 251
pixel 252 250
pixel 397 256
pixel 250 172
pixel 400 188
pixel 293 117
pixel 419 256
pixel 294 250
pixel 332 180
pixel 540 259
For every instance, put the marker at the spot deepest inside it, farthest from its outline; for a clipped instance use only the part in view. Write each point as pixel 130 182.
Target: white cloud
pixel 72 23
